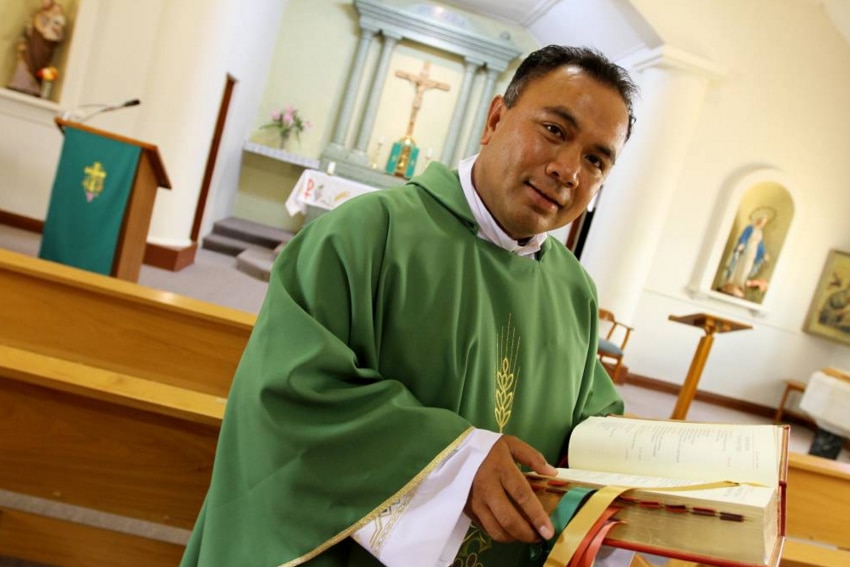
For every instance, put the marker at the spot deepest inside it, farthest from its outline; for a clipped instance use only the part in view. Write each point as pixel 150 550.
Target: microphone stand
pixel 72 115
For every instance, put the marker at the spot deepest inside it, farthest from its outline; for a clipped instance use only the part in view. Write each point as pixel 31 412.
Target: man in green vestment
pixel 416 344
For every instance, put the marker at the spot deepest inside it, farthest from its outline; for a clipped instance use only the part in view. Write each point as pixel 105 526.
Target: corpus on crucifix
pixel 403 155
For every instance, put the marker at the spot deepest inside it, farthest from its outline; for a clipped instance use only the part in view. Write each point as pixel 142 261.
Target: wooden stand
pixel 710 324
pixel 149 175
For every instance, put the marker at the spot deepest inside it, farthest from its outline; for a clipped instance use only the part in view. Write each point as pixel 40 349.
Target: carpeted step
pixel 256 263
pixel 228 245
pixel 250 231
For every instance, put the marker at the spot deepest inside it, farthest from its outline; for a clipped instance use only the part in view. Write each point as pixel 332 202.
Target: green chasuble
pixel 389 329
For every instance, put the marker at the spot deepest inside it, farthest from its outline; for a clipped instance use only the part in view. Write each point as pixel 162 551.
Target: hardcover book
pixel 707 492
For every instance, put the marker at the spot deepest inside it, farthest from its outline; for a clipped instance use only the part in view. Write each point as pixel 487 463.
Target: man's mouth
pixel 546 197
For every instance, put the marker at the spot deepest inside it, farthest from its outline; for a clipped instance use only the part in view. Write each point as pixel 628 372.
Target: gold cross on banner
pixel 93 182
pixel 422 82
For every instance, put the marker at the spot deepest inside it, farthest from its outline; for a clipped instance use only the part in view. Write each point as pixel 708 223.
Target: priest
pixel 417 344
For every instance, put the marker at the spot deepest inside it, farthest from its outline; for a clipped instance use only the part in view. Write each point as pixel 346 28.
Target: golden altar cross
pixel 422 82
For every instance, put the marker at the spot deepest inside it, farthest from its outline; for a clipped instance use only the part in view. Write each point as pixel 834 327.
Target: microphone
pixel 77 114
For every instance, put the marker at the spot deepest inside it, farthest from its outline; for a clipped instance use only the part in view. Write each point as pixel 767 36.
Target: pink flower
pixel 287 122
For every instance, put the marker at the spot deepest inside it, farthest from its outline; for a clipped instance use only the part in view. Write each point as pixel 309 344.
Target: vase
pixel 46 87
pixel 283 142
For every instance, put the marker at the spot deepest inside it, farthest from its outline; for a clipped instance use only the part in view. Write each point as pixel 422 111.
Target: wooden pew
pixel 100 321
pixel 817 507
pixel 111 397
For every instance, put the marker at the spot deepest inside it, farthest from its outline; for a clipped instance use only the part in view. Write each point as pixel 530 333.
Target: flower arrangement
pixel 48 73
pixel 288 122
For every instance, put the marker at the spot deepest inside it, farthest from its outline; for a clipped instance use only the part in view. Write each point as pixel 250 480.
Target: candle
pixel 331 168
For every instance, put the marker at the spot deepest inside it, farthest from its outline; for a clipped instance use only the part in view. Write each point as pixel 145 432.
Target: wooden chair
pixel 791 385
pixel 612 345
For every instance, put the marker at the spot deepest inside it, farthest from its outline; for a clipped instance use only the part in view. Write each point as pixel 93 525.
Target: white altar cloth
pixel 827 400
pixel 317 189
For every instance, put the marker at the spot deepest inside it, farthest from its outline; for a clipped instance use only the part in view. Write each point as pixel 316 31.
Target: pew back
pixel 116 325
pixel 818 500
pixel 111 399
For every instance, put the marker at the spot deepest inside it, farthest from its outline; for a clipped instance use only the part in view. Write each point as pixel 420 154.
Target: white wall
pixel 174 56
pixel 781 104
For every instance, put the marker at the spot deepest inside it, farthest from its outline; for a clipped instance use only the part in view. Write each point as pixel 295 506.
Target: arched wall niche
pixel 743 254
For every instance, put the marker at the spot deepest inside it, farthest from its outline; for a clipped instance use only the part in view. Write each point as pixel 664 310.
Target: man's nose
pixel 566 165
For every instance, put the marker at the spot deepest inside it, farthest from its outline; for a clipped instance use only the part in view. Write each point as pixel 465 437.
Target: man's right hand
pixel 502 502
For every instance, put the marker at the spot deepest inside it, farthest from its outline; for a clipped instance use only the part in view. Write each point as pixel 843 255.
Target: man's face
pixel 544 159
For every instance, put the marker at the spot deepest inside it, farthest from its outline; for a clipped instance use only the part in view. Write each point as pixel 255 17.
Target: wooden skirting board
pixel 164 257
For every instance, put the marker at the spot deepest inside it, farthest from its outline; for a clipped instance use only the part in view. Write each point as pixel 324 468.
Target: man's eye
pixel 554 130
pixel 596 161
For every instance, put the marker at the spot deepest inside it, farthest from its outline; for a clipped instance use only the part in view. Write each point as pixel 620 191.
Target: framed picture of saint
pixel 829 313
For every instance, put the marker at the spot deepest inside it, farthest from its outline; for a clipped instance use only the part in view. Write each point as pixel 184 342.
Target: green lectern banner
pixel 90 194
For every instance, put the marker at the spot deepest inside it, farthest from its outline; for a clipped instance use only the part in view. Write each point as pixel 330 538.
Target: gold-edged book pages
pixel 729 526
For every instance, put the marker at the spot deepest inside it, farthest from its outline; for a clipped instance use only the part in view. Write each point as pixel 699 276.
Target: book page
pixel 741 495
pixel 678 449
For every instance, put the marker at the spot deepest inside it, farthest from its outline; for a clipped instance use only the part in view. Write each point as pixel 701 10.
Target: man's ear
pixel 494 115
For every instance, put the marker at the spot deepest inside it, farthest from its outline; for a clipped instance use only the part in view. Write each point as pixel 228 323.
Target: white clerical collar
pixel 488 229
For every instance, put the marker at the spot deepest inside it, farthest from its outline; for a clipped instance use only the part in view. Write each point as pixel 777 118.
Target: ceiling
pixel 614 26
pixel 522 12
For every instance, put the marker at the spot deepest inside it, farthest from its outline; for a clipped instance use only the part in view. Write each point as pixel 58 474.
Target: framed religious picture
pixel 829 313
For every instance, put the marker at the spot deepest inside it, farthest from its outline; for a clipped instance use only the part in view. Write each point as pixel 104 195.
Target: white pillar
pixel 633 206
pixel 460 111
pixel 355 77
pixel 358 155
pixel 180 119
pixel 474 141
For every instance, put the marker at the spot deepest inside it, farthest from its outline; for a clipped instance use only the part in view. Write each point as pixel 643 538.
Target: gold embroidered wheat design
pixel 507 375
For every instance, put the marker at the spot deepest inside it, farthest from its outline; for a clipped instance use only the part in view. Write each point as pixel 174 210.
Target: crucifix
pixel 403 156
pixel 422 82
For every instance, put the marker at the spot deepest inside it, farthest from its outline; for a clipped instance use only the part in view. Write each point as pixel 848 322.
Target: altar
pixel 827 400
pixel 317 192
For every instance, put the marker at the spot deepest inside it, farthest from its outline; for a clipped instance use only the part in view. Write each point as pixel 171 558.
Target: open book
pixel 739 523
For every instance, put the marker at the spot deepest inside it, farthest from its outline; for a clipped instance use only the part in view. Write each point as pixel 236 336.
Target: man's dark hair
pixel 591 61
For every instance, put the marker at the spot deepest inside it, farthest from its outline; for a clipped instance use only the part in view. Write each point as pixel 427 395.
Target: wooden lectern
pixel 80 230
pixel 710 324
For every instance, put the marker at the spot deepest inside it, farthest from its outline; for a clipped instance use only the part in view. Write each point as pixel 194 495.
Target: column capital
pixel 391 35
pixel 492 72
pixel 471 62
pixel 674 59
pixel 368 29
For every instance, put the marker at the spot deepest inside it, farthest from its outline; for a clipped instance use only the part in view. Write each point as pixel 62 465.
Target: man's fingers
pixel 527 503
pixel 527 455
pixel 519 490
pixel 488 522
pixel 504 523
pixel 501 499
